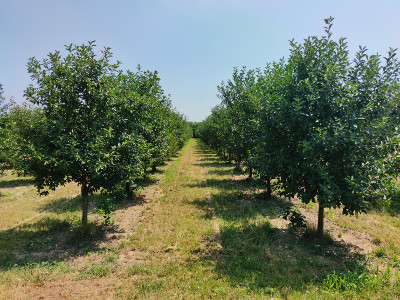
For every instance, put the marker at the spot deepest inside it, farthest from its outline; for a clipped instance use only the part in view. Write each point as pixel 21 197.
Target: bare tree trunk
pixel 251 172
pixel 85 203
pixel 269 189
pixel 128 191
pixel 320 228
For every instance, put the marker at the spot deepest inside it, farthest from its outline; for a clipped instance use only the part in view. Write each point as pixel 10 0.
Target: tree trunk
pixel 85 203
pixel 269 189
pixel 128 191
pixel 154 168
pixel 320 229
pixel 251 173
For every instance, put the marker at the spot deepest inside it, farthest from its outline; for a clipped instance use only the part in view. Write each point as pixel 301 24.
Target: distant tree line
pixel 318 124
pixel 88 121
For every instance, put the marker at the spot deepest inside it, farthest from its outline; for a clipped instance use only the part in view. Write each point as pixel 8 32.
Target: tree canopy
pixel 320 123
pixel 100 127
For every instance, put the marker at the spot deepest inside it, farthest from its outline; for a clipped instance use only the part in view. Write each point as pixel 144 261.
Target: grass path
pixel 200 232
pixel 179 235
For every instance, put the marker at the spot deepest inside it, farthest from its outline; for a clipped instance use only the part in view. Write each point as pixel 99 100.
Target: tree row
pixel 317 125
pixel 89 122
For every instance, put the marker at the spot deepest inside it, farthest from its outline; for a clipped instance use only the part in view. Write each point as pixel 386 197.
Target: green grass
pixel 211 234
pixel 95 271
pixel 38 230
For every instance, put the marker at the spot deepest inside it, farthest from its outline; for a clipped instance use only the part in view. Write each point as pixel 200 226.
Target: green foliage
pixel 232 128
pixel 97 125
pixel 297 220
pixel 5 138
pixel 194 126
pixel 357 280
pixel 242 108
pixel 143 108
pixel 322 125
pixel 2 131
pixel 214 131
pixel 106 204
pixel 21 120
pixel 74 141
pixel 95 271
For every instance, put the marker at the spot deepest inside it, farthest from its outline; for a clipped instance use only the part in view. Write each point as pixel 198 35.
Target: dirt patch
pixel 129 257
pixel 127 217
pixel 70 289
pixel 355 241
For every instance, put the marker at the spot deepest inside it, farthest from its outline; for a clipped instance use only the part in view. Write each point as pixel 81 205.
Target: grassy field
pixel 198 230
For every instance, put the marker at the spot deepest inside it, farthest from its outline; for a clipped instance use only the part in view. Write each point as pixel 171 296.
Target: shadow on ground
pixel 22 181
pixel 47 239
pixel 252 251
pixel 60 237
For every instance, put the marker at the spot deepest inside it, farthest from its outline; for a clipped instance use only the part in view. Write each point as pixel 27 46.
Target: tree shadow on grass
pixel 48 239
pixel 63 205
pixel 221 172
pixel 255 248
pixel 265 257
pixel 21 181
pixel 72 205
pixel 230 185
pixel 147 180
pixel 57 239
pixel 211 163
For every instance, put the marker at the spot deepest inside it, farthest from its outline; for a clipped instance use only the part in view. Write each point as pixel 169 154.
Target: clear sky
pixel 193 44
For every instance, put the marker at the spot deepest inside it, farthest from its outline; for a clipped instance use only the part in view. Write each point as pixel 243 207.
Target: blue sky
pixel 193 44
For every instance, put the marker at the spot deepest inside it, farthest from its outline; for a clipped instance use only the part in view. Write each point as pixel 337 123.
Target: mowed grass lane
pixel 209 234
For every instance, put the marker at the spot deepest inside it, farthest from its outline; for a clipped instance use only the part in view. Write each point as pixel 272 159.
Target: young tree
pixel 238 95
pixel 215 131
pixel 272 139
pixel 75 141
pixel 101 127
pixel 326 126
pixel 194 126
pixel 327 121
pixel 3 133
pixel 21 121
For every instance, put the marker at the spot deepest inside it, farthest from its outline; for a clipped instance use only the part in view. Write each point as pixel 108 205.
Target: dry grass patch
pixel 199 230
pixel 20 202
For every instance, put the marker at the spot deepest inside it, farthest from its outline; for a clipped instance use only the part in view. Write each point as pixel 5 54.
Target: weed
pixel 146 286
pixel 111 258
pixel 310 205
pixel 329 214
pixel 137 269
pixel 311 234
pixel 356 280
pixel 297 220
pixel 95 271
pixel 238 169
pixel 48 224
pixel 381 252
pixel 86 234
pixel 106 204
pixel 377 240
